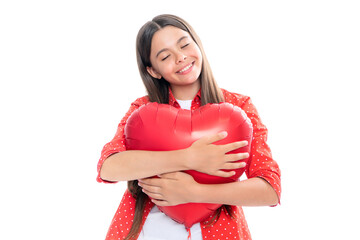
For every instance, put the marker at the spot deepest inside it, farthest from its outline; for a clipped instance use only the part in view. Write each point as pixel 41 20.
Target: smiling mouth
pixel 186 68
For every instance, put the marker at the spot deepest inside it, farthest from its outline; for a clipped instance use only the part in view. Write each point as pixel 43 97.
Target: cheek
pixel 198 54
pixel 199 61
pixel 166 69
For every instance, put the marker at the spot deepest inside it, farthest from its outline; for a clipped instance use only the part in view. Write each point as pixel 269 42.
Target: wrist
pixel 197 194
pixel 185 158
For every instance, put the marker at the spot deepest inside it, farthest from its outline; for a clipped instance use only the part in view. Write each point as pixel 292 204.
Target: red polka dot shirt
pixel 261 164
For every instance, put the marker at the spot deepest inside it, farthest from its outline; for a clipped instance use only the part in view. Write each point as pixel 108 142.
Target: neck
pixel 187 92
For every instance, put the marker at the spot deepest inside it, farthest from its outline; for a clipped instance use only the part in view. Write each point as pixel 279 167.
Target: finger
pixel 153 195
pixel 235 145
pixel 160 203
pixel 149 188
pixel 214 138
pixel 151 181
pixel 171 175
pixel 224 174
pixel 236 157
pixel 236 165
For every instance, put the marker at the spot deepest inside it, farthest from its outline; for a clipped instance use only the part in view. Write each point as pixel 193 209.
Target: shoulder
pixel 235 98
pixel 245 103
pixel 140 101
pixel 135 105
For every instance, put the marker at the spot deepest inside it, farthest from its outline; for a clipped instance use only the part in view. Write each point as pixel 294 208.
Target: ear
pixel 153 72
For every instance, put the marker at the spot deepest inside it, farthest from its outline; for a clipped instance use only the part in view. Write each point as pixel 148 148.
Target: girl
pixel 175 71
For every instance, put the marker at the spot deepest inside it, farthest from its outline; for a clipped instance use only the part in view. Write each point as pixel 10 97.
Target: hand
pixel 170 188
pixel 205 157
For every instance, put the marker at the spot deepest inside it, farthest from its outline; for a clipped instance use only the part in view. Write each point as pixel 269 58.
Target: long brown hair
pixel 158 91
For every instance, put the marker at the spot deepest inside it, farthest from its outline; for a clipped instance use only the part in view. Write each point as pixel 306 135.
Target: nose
pixel 180 57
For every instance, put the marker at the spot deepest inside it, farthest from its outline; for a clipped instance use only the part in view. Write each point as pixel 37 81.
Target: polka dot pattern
pixel 261 164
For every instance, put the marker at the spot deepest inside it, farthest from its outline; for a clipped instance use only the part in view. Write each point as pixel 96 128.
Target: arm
pixel 251 192
pixel 134 164
pixel 169 190
pixel 202 156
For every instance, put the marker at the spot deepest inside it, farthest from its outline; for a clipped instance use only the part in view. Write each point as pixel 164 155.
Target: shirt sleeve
pixel 261 164
pixel 117 144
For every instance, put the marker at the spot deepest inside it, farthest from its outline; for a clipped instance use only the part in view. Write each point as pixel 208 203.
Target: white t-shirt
pixel 158 226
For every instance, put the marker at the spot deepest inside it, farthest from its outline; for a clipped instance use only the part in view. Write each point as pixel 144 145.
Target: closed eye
pixel 165 58
pixel 185 45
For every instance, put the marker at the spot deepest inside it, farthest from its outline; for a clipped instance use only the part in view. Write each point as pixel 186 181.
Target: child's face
pixel 175 57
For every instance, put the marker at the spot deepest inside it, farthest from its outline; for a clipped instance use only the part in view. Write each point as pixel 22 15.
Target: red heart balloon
pixel 161 127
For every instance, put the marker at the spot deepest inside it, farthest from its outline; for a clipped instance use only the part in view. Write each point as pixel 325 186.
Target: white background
pixel 68 74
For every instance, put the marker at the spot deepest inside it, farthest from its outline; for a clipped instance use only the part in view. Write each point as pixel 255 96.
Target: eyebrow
pixel 164 49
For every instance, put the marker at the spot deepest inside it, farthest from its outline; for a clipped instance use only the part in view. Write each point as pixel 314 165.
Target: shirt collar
pixel 173 102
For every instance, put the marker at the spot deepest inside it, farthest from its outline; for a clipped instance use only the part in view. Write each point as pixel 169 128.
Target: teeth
pixel 186 68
